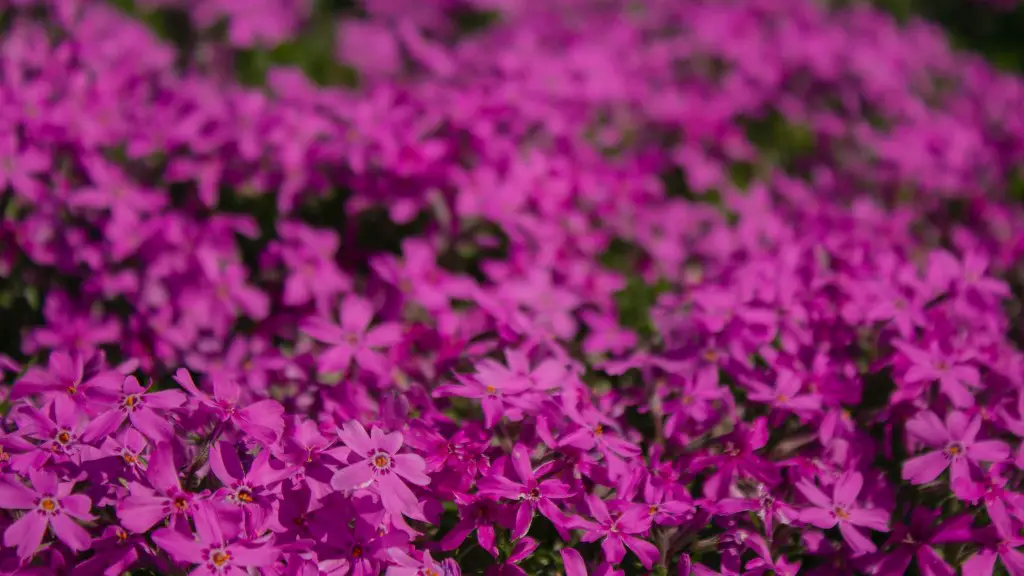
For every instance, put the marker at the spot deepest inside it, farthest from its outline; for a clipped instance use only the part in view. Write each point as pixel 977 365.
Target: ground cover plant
pixel 502 287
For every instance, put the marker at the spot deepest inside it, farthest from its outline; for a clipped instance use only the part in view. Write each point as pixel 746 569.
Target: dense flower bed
pixel 562 287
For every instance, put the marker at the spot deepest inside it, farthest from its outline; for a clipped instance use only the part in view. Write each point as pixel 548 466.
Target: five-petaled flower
pixel 382 467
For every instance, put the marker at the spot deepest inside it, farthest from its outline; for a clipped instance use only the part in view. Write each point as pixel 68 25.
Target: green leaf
pixel 635 301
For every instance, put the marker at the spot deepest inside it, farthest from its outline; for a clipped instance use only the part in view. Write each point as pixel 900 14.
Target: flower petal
pixel 411 467
pixel 26 534
pixel 573 562
pixel 847 489
pixel 860 543
pixel 925 468
pixel 15 496
pixel 355 437
pixel 69 532
pixel 356 476
pixel 180 547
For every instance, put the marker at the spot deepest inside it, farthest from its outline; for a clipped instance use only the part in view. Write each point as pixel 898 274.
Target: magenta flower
pixel 360 546
pixel 20 165
pixel 253 491
pixel 232 294
pixel 479 514
pixel 500 390
pixel 308 253
pixel 916 541
pixel 842 510
pixel 147 412
pixel 48 503
pixel 124 454
pixel 261 419
pixel 406 565
pixel 67 379
pixel 737 457
pixel 215 550
pixel 766 563
pixel 552 304
pixel 145 506
pixel 383 468
pixel 60 436
pixel 617 531
pixel 353 338
pixel 522 549
pixel 313 457
pixel 957 447
pixel 955 376
pixel 418 276
pixel 786 395
pixel 1001 542
pixel 116 551
pixel 531 493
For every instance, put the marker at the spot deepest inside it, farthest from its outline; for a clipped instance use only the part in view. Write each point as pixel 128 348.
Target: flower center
pixel 122 536
pixel 64 437
pixel 220 557
pixel 954 451
pixel 48 505
pixel 653 509
pixel 782 398
pixel 244 496
pixel 841 513
pixel 598 430
pixel 710 355
pixel 131 401
pixel 181 504
pixel 381 461
pixel 357 552
pixel 129 458
pixel 687 400
pixel 492 390
pixel 72 390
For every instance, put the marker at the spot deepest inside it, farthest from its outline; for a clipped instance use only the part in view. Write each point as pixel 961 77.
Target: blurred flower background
pixel 506 287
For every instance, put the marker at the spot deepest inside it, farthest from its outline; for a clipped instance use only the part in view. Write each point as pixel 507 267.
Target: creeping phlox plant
pixel 506 287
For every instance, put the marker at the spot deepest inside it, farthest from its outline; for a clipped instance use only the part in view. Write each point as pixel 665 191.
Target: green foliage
pixel 635 301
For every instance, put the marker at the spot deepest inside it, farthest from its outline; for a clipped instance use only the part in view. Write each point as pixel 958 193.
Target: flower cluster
pixel 601 287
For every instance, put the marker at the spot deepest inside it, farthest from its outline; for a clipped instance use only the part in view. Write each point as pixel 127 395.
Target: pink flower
pixel 353 338
pixel 49 503
pixel 147 411
pixel 1001 542
pixel 262 419
pixel 215 549
pixel 957 447
pixel 383 468
pixel 786 395
pixel 531 493
pixel 68 379
pixel 842 509
pixel 145 506
pixel 617 531
pixel 955 376
pixel 255 491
